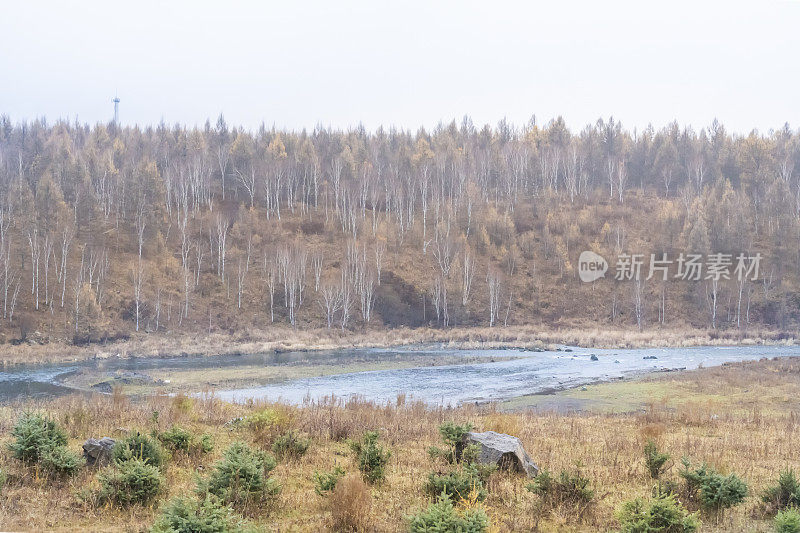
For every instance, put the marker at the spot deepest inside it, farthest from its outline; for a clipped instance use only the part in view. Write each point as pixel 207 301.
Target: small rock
pixel 104 386
pixel 98 452
pixel 234 422
pixel 649 357
pixel 503 450
pixel 594 358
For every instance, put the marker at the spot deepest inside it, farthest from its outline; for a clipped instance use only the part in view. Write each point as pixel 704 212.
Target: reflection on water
pixel 501 377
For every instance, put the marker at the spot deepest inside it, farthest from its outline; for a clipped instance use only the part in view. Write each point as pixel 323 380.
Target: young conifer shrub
pixel 189 515
pixel 130 482
pixel 444 517
pixel 714 490
pixel 371 457
pixel 242 476
pixel 664 514
pixel 35 434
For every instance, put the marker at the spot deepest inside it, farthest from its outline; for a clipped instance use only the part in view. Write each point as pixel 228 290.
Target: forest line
pixel 106 231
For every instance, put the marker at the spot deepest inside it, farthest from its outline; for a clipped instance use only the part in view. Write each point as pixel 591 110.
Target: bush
pixel 785 494
pixel 568 488
pixel 716 491
pixel 267 423
pixel 443 517
pixel 325 482
pixel 350 503
pixel 371 457
pixel 33 435
pixel 663 514
pixel 787 521
pixel 241 476
pixel 453 437
pixel 138 446
pixel 290 445
pixel 457 484
pixel 206 444
pixel 134 481
pixel 185 515
pixel 176 439
pixel 62 461
pixel 654 460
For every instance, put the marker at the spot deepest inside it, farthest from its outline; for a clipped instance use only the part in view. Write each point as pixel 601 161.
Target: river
pixel 498 375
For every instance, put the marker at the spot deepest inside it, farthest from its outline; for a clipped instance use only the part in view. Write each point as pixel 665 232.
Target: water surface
pixel 498 380
pixel 505 374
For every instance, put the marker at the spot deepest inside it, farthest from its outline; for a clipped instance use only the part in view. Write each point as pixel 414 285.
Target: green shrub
pixel 138 446
pixel 569 488
pixel 663 514
pixel 456 484
pixel 453 437
pixel 290 445
pixel 176 439
pixel 443 517
pixel 62 461
pixel 785 494
pixel 241 476
pixel 371 457
pixel 33 435
pixel 787 521
pixel 325 482
pixel 186 515
pixel 654 460
pixel 130 482
pixel 206 444
pixel 269 422
pixel 716 491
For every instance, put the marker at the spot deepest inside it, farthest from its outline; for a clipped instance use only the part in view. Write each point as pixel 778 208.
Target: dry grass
pixel 754 437
pixel 281 338
pixel 350 504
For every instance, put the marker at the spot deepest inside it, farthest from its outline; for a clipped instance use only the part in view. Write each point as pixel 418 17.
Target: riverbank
pixel 282 339
pixel 738 386
pixel 740 418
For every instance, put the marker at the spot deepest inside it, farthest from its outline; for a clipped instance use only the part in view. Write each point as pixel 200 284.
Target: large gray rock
pixel 503 450
pixel 98 452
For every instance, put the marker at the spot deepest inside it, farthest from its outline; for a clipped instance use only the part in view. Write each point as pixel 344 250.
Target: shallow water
pixel 506 374
pixel 530 373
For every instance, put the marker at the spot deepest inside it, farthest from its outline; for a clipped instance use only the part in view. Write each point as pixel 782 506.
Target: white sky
pixel 403 63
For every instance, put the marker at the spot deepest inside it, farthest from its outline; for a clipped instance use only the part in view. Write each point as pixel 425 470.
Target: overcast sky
pixel 402 63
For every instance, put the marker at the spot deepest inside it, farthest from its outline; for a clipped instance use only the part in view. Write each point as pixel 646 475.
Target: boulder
pixel 98 452
pixel 503 450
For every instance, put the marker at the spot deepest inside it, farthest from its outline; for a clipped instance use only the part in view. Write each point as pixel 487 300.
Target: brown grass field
pixel 741 418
